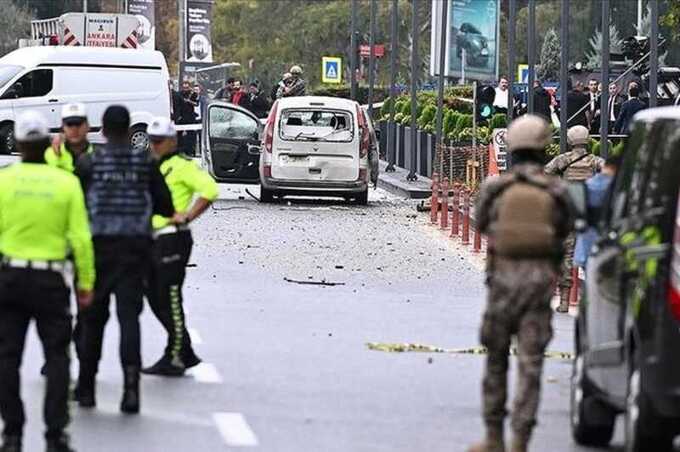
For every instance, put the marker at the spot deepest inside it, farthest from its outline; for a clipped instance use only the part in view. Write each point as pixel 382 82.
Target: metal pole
pixel 604 98
pixel 531 38
pixel 512 20
pixel 84 6
pixel 564 74
pixel 639 16
pixel 371 58
pixel 654 53
pixel 392 127
pixel 474 115
pixel 353 51
pixel 181 8
pixel 462 67
pixel 442 70
pixel 414 85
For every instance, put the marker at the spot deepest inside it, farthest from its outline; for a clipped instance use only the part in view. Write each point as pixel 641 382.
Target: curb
pixel 396 183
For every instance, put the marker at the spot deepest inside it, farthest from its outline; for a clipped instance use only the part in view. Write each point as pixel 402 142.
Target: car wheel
pixel 639 419
pixel 592 423
pixel 139 139
pixel 361 198
pixel 266 195
pixel 7 144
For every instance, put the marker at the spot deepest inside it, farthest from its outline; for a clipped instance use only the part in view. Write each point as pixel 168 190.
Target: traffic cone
pixel 455 214
pixel 445 204
pixel 466 217
pixel 434 206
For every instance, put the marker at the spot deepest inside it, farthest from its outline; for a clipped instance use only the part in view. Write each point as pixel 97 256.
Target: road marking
pixel 205 373
pixel 235 430
pixel 195 336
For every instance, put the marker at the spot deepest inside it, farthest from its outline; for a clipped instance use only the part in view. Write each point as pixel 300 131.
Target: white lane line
pixel 235 430
pixel 195 336
pixel 205 373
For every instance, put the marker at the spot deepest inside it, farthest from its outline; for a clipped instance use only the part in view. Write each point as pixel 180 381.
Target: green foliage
pixel 553 150
pixel 406 120
pixel 549 67
pixel 672 18
pixel 617 149
pixel 427 116
pixel 387 107
pixel 498 121
pixel 379 93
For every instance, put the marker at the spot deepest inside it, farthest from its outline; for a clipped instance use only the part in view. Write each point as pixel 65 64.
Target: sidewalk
pixel 396 183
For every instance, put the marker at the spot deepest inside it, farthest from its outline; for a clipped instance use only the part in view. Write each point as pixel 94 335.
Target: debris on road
pixel 402 348
pixel 314 283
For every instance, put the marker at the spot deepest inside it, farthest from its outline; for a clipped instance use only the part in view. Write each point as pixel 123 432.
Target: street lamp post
pixel 392 127
pixel 512 20
pixel 371 59
pixel 531 55
pixel 414 100
pixel 353 52
pixel 604 98
pixel 564 75
pixel 654 52
pixel 442 69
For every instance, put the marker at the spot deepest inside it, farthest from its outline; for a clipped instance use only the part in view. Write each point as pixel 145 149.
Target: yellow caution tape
pixel 402 348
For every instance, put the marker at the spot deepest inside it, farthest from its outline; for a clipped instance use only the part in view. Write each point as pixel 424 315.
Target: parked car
pixel 475 44
pixel 231 143
pixel 316 146
pixel 46 78
pixel 628 327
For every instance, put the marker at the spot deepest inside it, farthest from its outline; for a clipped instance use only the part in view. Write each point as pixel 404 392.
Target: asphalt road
pixel 287 368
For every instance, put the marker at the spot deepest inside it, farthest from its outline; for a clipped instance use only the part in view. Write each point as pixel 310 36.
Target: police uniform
pixel 577 165
pixel 521 279
pixel 66 158
pixel 123 188
pixel 42 216
pixel 171 251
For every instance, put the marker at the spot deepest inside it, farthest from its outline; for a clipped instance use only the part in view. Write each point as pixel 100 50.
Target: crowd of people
pixel 122 217
pixel 583 104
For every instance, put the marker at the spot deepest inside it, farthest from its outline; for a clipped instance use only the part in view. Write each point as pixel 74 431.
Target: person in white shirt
pixel 502 94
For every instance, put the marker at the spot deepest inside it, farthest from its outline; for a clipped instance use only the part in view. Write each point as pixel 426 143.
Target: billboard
pixel 198 31
pixel 144 10
pixel 472 37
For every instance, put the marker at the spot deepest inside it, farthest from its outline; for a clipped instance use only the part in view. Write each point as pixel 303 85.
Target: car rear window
pixel 312 124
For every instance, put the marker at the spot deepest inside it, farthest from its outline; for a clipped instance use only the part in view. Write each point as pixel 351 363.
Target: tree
pixel 594 56
pixel 549 67
pixel 672 18
pixel 15 23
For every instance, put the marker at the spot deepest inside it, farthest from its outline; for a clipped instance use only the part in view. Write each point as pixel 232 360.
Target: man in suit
pixel 614 105
pixel 628 110
pixel 593 94
pixel 576 100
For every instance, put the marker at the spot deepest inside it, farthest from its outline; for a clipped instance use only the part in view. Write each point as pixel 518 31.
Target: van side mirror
pixel 579 199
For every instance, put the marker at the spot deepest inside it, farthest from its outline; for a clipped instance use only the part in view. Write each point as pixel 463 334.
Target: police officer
pixel 123 188
pixel 172 246
pixel 576 165
pixel 64 153
pixel 526 215
pixel 42 216
pixel 297 85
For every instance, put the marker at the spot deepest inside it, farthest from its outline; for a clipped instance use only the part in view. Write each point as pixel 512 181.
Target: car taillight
pixel 269 128
pixel 365 142
pixel 674 286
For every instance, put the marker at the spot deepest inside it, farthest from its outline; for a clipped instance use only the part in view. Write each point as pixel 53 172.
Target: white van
pixel 46 78
pixel 316 146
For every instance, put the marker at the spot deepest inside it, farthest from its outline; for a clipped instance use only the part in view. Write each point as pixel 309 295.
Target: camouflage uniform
pixel 574 166
pixel 519 297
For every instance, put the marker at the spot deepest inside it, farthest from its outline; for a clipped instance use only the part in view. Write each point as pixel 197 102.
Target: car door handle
pixel 52 101
pixel 253 149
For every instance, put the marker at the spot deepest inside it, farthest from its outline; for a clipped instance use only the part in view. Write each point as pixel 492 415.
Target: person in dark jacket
pixel 628 110
pixel 541 101
pixel 255 101
pixel 576 101
pixel 123 189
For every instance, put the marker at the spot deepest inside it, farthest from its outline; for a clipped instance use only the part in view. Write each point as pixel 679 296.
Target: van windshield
pixel 316 125
pixel 7 73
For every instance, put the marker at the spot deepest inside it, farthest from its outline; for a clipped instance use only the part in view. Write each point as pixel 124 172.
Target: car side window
pixel 230 124
pixel 36 83
pixel 663 173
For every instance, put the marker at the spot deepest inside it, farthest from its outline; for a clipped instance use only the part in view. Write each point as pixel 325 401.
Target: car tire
pixel 266 195
pixel 139 139
pixel 641 423
pixel 7 144
pixel 586 428
pixel 361 199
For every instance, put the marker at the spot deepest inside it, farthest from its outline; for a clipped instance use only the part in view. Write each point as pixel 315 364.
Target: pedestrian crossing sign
pixel 331 70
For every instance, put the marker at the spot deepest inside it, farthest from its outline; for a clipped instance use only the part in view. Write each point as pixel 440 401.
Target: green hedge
pixel 379 92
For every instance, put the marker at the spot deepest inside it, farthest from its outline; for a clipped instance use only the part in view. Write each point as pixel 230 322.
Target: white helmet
pixel 161 127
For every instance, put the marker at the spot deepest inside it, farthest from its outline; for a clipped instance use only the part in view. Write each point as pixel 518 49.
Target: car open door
pixel 231 145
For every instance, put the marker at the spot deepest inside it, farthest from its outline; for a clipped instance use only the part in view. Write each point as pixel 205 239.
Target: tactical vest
pixel 525 225
pixel 118 196
pixel 581 169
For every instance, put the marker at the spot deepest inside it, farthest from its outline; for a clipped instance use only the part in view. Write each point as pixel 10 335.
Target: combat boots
pixel 130 402
pixel 60 443
pixel 11 443
pixel 84 393
pixel 564 300
pixel 520 443
pixel 492 443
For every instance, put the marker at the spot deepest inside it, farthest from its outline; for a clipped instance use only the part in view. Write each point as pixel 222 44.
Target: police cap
pixel 161 128
pixel 30 126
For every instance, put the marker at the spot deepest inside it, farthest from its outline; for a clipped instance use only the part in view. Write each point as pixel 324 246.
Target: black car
pixel 628 328
pixel 476 46
pixel 231 143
